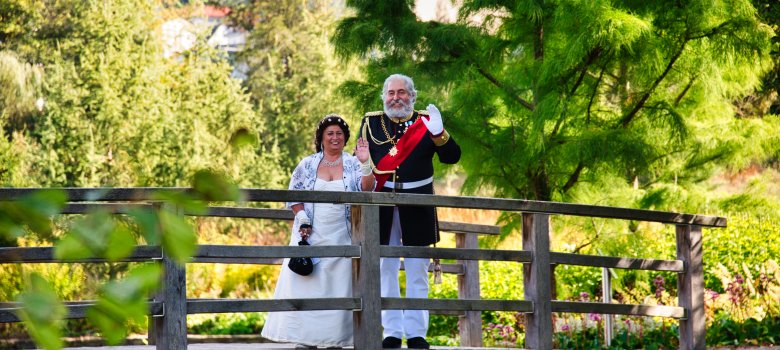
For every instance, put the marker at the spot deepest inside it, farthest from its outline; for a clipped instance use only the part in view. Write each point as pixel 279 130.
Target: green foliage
pixel 293 72
pixel 124 300
pixel 118 113
pixel 726 331
pixel 42 312
pixel 612 91
pixel 30 213
pixel 745 246
pixel 251 323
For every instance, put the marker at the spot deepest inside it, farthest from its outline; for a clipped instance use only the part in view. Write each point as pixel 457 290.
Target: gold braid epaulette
pixel 422 112
pixel 374 114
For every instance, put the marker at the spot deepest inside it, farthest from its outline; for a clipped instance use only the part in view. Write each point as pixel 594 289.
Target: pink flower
pixel 594 317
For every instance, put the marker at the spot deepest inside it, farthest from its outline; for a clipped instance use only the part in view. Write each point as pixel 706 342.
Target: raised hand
pixel 361 150
pixel 434 123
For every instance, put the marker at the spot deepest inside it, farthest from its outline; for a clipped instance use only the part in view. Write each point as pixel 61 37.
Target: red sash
pixel 405 145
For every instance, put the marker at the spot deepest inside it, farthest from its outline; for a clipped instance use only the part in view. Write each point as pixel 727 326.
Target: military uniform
pixel 418 224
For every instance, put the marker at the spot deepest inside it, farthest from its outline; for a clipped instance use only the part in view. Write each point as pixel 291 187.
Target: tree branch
pixel 684 92
pixel 592 55
pixel 508 90
pixel 574 177
pixel 593 94
pixel 641 103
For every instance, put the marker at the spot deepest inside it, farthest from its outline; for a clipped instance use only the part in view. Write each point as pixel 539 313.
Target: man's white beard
pixel 404 111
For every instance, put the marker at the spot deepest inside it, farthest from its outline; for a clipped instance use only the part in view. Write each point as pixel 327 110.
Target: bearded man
pixel 402 143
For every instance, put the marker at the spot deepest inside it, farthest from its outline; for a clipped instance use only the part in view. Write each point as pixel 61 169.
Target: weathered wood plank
pixel 536 281
pixel 46 255
pixel 115 208
pixel 456 269
pixel 462 227
pixel 618 309
pixel 456 253
pixel 367 325
pixel 527 206
pixel 456 304
pixel 470 325
pixel 690 288
pixel 235 251
pixel 207 306
pixel 76 309
pixel 617 262
pixel 259 213
pixel 171 328
pixel 249 213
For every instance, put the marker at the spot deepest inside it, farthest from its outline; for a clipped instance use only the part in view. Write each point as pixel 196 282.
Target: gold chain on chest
pixel 384 128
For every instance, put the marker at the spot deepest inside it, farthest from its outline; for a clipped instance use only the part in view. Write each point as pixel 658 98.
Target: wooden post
pixel 690 287
pixel 468 288
pixel 172 327
pixel 365 280
pixel 536 281
pixel 606 292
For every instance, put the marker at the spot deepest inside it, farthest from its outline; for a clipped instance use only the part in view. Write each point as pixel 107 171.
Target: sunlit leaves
pixel 124 300
pixel 33 211
pixel 42 312
pixel 242 138
pixel 210 186
pixel 178 240
pixel 96 235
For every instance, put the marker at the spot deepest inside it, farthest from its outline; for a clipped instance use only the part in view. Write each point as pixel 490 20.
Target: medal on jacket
pixel 394 150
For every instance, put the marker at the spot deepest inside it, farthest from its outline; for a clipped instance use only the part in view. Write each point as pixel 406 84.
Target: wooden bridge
pixel 170 307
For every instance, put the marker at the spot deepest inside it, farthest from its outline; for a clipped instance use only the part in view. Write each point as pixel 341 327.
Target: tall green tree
pixel 293 71
pixel 118 113
pixel 555 99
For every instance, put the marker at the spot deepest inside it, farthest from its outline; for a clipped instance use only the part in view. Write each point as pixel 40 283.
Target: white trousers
pixel 397 323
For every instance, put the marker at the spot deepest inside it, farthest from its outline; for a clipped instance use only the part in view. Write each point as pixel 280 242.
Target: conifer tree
pixel 553 99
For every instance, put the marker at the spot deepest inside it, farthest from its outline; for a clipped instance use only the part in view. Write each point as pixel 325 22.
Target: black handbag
pixel 301 266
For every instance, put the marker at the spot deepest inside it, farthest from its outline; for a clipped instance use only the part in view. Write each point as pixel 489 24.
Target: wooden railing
pixel 170 307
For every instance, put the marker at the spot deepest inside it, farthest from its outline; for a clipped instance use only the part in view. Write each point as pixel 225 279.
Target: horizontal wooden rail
pixel 373 198
pixel 617 262
pixel 76 309
pixel 456 253
pixel 46 255
pixel 456 304
pixel 237 251
pixel 206 306
pixel 618 309
pixel 258 213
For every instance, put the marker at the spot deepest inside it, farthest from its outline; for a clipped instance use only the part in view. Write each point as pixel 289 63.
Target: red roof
pixel 214 11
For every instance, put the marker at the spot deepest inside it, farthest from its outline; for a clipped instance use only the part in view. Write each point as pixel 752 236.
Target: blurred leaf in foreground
pixel 34 211
pixel 42 312
pixel 211 186
pixel 124 300
pixel 178 239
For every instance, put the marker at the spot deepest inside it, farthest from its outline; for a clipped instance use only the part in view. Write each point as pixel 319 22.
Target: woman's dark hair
pixel 330 119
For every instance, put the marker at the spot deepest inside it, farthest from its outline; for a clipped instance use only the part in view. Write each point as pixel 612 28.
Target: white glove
pixel 433 123
pixel 302 218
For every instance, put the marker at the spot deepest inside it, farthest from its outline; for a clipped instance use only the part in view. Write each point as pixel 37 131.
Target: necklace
pixel 393 150
pixel 329 163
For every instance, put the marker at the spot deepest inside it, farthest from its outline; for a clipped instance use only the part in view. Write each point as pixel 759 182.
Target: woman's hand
pixel 361 150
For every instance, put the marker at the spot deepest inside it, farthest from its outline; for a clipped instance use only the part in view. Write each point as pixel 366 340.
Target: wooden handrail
pixel 171 305
pixel 373 198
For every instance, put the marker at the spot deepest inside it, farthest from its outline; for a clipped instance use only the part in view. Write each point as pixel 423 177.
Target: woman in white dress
pixel 330 169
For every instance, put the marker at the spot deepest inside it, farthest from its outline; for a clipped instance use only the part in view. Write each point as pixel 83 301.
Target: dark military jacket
pixel 419 225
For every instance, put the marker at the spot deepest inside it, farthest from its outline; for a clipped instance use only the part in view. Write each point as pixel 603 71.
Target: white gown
pixel 332 277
